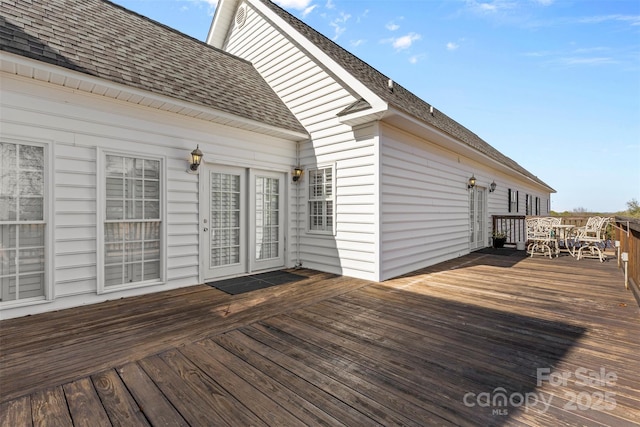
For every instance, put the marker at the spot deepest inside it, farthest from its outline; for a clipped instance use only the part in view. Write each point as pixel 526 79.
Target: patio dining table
pixel 564 234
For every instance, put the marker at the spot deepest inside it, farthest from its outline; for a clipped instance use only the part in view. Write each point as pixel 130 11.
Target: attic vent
pixel 241 17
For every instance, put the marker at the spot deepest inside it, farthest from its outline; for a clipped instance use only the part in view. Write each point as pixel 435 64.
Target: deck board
pixel 331 350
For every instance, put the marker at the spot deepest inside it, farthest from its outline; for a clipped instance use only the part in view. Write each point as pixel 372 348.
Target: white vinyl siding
pixel 315 97
pixel 425 202
pixel 22 221
pixel 77 126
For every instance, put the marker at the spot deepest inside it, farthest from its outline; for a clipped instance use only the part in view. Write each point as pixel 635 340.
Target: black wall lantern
pixel 492 187
pixel 296 174
pixel 196 159
pixel 472 182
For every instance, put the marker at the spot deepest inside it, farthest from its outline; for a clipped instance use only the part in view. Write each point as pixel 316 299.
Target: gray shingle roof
pixel 99 38
pixel 400 98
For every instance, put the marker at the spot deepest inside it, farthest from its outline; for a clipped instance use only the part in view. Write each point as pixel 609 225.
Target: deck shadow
pixel 462 361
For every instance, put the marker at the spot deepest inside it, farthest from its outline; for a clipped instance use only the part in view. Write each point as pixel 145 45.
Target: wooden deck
pixel 559 340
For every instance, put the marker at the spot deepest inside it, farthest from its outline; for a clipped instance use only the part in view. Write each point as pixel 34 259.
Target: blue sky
pixel 553 84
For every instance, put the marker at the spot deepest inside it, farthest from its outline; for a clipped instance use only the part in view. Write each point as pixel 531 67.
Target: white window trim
pixel 101 155
pixel 47 219
pixel 331 232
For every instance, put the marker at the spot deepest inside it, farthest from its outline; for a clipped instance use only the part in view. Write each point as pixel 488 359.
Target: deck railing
pixel 627 232
pixel 513 226
pixel 578 221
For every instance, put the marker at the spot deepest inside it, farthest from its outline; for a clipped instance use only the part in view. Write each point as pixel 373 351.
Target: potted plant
pixel 499 239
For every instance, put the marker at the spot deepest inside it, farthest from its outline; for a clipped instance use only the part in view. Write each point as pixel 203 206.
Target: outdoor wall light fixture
pixel 472 182
pixel 492 187
pixel 296 174
pixel 196 158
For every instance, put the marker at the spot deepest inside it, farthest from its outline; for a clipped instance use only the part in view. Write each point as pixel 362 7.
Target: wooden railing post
pixel 627 232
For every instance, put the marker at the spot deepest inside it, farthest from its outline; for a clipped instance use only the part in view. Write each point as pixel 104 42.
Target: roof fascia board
pixel 221 23
pixel 446 141
pixel 38 67
pixel 321 58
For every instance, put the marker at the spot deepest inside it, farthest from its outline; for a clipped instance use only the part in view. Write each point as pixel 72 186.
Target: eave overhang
pixel 408 123
pixel 43 72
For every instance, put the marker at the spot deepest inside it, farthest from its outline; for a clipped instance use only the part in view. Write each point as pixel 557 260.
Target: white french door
pixel 241 220
pixel 477 218
pixel 266 219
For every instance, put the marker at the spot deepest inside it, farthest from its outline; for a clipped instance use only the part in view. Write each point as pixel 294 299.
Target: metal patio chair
pixel 541 237
pixel 593 238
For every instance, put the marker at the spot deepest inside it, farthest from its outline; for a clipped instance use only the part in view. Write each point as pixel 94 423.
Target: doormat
pixel 240 285
pixel 502 251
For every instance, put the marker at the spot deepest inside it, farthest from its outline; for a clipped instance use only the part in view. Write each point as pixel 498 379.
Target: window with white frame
pixel 133 222
pixel 22 221
pixel 321 200
pixel 528 204
pixel 513 200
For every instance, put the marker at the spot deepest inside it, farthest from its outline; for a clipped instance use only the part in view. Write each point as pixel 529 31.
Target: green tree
pixel 633 208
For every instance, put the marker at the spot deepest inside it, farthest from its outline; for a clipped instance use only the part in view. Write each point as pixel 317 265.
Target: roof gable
pixel 397 97
pixel 104 40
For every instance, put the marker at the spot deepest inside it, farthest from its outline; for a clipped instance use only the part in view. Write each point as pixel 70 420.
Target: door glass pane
pixel 480 218
pixel 472 218
pixel 267 217
pixel 224 218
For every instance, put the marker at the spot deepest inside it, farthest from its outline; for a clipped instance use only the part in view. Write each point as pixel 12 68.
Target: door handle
pixel 205 229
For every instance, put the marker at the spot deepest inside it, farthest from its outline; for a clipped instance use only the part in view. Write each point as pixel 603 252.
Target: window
pixel 22 221
pixel 321 200
pixel 133 225
pixel 528 204
pixel 513 200
pixel 537 205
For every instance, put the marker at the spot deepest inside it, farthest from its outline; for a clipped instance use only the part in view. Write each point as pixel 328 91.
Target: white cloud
pixel 392 26
pixel 487 7
pixel 405 42
pixel 338 26
pixel 588 61
pixel 414 59
pixel 491 6
pixel 356 43
pixel 362 15
pixel 544 2
pixel 330 5
pixel 211 5
pixel 308 10
pixel 632 19
pixel 452 46
pixel 293 4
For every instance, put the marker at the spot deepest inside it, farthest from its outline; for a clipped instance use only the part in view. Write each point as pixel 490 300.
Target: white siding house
pixel 400 167
pixel 97 200
pixel 100 109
